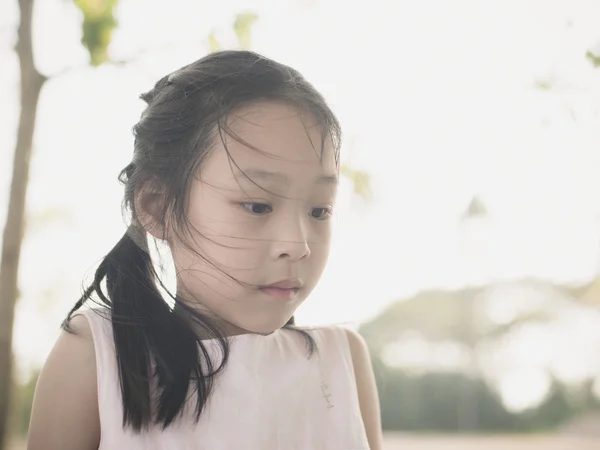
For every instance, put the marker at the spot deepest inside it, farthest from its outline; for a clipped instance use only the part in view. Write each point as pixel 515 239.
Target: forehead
pixel 274 138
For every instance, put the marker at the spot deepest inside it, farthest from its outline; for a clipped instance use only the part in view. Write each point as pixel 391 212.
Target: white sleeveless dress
pixel 270 396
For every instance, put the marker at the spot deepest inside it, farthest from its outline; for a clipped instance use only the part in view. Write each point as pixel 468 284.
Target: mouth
pixel 292 283
pixel 286 289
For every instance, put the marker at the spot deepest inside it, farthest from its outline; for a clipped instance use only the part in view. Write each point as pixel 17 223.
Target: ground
pixel 502 442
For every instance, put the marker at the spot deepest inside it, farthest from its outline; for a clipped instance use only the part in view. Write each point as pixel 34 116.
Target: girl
pixel 235 168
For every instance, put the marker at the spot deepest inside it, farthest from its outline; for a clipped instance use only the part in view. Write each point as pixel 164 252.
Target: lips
pixel 291 284
pixel 282 290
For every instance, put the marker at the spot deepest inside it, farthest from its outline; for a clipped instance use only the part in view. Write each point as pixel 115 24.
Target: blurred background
pixel 467 241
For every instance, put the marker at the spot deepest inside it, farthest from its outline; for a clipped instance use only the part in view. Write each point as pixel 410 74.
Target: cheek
pixel 321 246
pixel 321 254
pixel 228 238
pixel 211 273
pixel 322 235
pixel 214 254
pixel 234 255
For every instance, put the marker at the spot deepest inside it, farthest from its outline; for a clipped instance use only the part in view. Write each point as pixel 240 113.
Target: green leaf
pixel 544 84
pixel 360 180
pixel 213 44
pixel 593 58
pixel 243 27
pixel 98 24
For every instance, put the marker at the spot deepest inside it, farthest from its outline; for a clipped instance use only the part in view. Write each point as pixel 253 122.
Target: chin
pixel 266 327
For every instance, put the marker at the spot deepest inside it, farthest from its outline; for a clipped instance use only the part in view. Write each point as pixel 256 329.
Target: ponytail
pixel 150 340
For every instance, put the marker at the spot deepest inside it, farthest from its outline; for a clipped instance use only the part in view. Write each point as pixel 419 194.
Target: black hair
pixel 157 345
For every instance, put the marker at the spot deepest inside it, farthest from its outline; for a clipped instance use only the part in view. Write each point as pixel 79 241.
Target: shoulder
pixel 366 387
pixel 361 359
pixel 351 340
pixel 80 327
pixel 358 345
pixel 65 407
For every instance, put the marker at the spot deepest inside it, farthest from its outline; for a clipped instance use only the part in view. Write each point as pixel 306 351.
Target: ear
pixel 149 205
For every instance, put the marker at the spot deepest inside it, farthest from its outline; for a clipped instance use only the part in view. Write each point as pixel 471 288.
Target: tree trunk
pixel 31 85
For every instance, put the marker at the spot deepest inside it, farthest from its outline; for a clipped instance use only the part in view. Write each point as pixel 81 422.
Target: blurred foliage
pixel 593 55
pixel 98 24
pixel 243 29
pixel 545 83
pixel 593 58
pixel 22 401
pixel 441 315
pixel 430 399
pixel 360 180
pixel 213 44
pixel 430 402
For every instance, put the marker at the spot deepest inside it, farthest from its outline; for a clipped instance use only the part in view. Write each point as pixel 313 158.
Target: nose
pixel 290 241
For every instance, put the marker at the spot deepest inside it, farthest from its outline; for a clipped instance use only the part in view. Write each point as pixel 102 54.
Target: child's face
pixel 278 231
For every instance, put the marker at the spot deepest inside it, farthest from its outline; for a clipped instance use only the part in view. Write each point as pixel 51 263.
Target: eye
pixel 321 213
pixel 258 209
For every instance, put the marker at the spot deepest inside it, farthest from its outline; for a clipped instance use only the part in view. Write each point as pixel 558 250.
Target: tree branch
pixel 31 85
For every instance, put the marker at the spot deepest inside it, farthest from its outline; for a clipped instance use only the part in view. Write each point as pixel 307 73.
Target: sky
pixel 439 102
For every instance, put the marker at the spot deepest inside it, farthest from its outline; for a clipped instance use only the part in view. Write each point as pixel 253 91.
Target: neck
pixel 224 327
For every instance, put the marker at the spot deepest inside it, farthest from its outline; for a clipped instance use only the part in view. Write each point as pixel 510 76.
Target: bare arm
pixel 368 397
pixel 65 407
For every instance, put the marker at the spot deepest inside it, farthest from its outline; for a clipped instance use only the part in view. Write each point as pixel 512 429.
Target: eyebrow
pixel 281 178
